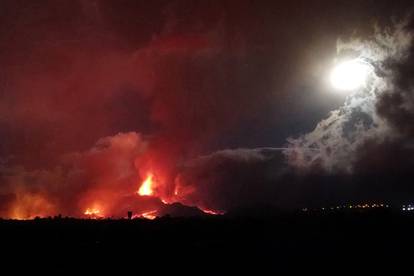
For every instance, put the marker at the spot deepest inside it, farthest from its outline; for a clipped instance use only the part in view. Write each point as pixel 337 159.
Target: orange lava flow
pixel 92 212
pixel 146 188
pixel 149 215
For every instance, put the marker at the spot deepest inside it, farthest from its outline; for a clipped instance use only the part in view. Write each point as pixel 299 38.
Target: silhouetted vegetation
pixel 268 240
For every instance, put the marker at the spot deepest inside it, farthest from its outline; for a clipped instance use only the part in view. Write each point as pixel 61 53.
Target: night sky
pixel 226 103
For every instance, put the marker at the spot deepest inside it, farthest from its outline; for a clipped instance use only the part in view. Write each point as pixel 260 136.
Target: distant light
pixel 349 75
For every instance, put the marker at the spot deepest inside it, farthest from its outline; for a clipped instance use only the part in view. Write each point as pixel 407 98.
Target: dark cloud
pixel 396 106
pixel 230 179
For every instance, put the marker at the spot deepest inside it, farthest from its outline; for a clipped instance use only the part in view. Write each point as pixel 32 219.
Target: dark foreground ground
pixel 290 241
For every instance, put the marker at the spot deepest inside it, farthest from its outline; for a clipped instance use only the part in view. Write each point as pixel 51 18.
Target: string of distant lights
pixel 406 208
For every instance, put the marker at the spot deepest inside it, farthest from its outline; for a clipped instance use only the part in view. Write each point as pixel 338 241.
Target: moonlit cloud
pixel 336 141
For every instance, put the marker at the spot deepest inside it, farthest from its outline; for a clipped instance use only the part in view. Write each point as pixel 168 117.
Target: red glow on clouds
pixel 29 206
pixel 69 92
pixel 103 183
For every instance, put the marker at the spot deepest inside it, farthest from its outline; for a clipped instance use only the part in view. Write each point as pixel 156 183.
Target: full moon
pixel 349 75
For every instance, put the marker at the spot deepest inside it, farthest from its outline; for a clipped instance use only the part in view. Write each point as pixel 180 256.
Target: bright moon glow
pixel 349 75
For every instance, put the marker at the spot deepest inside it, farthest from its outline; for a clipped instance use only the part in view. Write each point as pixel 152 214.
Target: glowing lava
pixel 150 215
pixel 92 212
pixel 211 212
pixel 146 188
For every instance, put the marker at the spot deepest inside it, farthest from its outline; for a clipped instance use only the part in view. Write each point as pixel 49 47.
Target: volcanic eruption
pixel 109 108
pixel 146 188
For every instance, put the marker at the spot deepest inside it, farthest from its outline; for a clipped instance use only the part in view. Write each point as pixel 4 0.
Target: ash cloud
pixel 191 77
pixel 230 179
pixel 104 176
